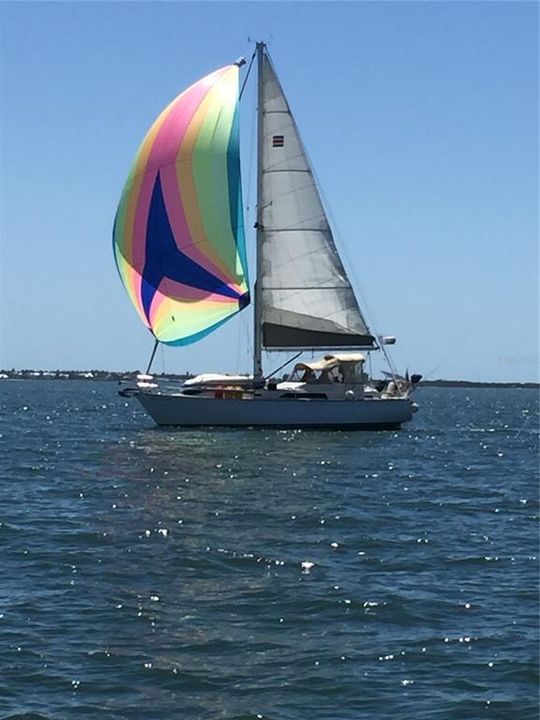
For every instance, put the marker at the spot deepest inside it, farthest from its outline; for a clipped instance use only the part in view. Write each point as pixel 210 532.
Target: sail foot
pixel 283 337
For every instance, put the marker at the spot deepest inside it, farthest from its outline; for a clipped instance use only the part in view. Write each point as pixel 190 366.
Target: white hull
pixel 192 411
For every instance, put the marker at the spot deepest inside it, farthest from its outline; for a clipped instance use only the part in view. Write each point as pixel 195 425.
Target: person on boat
pixel 308 376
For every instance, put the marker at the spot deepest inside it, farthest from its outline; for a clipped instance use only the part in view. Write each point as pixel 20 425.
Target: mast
pixel 257 312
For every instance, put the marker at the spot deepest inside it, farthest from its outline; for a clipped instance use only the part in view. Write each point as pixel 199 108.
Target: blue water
pixel 152 573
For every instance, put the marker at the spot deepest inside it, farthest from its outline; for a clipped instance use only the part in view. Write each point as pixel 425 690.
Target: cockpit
pixel 336 368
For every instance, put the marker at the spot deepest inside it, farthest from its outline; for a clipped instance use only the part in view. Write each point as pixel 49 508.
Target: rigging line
pixel 249 220
pixel 284 364
pixel 163 359
pixel 247 74
pixel 388 359
pixel 366 311
pixel 251 162
pixel 237 363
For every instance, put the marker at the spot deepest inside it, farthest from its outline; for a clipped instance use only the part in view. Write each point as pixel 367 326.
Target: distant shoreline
pixel 113 376
pixel 472 384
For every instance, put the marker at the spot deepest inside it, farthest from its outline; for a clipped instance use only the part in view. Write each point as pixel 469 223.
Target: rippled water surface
pixel 158 573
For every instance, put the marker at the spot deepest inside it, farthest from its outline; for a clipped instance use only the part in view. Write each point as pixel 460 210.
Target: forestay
pixel 307 299
pixel 179 233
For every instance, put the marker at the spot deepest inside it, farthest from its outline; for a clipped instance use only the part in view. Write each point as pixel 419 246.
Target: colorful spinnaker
pixel 179 232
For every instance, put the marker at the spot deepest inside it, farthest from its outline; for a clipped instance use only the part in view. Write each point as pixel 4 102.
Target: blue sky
pixel 421 120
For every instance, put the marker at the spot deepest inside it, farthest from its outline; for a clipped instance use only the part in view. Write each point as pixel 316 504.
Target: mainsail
pixel 179 233
pixel 307 300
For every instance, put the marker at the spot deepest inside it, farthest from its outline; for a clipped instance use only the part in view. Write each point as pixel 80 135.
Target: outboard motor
pixel 415 379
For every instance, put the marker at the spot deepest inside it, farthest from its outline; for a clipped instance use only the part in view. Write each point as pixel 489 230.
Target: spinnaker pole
pixel 152 356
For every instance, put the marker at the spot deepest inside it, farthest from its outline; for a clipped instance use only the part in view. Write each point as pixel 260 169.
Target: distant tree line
pixel 29 374
pixel 132 374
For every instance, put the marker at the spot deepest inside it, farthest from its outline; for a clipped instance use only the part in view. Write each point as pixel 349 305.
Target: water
pixel 151 573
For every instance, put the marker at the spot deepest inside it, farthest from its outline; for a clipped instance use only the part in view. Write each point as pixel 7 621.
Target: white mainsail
pixel 307 300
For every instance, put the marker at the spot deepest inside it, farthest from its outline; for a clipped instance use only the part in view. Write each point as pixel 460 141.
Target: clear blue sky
pixel 421 120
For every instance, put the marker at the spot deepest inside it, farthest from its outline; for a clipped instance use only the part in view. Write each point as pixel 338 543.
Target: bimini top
pixel 330 361
pixel 179 230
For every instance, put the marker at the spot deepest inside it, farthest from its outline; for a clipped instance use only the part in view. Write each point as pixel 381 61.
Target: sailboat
pixel 179 246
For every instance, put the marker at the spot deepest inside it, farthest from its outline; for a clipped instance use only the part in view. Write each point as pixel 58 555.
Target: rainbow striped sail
pixel 179 233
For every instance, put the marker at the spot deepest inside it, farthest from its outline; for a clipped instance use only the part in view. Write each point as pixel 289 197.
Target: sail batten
pixel 307 300
pixel 178 235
